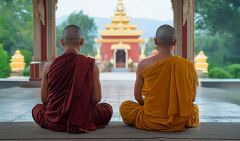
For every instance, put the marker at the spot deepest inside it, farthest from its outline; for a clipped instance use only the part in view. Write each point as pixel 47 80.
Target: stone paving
pixel 216 105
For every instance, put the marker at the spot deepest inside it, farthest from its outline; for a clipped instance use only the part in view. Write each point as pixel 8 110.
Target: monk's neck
pixel 164 52
pixel 72 50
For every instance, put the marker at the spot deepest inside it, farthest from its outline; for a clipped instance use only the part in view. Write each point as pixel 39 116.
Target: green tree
pixel 89 30
pixel 214 47
pixel 4 63
pixel 217 30
pixel 16 25
pixel 150 46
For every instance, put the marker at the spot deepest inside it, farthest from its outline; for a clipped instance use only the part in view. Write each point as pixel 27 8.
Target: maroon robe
pixel 70 102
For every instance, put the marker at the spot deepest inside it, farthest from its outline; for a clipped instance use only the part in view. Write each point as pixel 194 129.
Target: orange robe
pixel 70 102
pixel 169 90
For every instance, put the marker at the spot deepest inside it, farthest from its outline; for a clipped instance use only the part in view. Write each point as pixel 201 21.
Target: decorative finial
pixel 120 6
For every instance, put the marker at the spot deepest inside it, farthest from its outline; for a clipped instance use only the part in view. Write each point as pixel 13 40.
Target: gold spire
pixel 120 6
pixel 17 63
pixel 120 24
pixel 201 62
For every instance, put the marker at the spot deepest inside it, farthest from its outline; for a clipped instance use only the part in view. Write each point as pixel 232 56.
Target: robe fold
pixel 169 90
pixel 70 102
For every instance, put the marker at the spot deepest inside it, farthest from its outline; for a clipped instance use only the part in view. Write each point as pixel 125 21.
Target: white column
pixel 177 19
pixel 36 33
pixel 51 29
pixel 115 59
pixel 190 37
pixel 126 58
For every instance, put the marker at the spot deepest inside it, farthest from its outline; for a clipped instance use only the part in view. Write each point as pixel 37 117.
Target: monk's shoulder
pixel 181 59
pixel 145 63
pixel 184 61
pixel 93 65
pixel 90 57
pixel 189 62
pixel 90 60
pixel 87 57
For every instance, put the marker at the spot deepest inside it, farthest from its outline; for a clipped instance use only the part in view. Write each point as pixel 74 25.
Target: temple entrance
pixel 120 59
pixel 120 33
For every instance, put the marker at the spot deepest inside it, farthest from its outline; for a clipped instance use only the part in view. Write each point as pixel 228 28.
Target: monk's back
pixel 165 89
pixel 157 87
pixel 63 72
pixel 158 100
pixel 68 75
pixel 71 90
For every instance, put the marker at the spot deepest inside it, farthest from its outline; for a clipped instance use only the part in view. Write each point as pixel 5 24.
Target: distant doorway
pixel 120 59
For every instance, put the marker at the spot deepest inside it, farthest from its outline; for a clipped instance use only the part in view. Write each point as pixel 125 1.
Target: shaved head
pixel 72 34
pixel 165 36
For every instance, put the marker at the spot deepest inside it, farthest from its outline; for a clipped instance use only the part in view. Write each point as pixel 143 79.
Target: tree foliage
pixel 16 25
pixel 4 63
pixel 88 28
pixel 217 30
pixel 15 32
pixel 150 46
pixel 215 47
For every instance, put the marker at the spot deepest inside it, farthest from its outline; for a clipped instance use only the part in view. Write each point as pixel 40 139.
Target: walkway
pixel 216 105
pixel 219 115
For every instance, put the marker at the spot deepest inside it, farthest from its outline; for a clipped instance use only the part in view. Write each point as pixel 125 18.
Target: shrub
pixel 26 71
pixel 27 56
pixel 219 73
pixel 234 70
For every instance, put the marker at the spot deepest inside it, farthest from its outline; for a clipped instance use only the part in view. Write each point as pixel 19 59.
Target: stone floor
pixel 117 131
pixel 216 105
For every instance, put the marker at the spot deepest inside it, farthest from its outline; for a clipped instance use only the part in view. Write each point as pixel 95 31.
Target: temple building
pixel 44 31
pixel 120 42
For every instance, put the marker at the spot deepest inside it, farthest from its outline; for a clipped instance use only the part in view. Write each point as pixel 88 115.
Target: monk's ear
pixel 62 42
pixel 174 42
pixel 155 41
pixel 81 42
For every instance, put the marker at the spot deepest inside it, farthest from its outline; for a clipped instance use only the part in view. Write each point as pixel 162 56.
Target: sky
pixel 150 9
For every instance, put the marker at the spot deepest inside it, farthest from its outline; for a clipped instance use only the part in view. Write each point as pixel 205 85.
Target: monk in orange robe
pixel 71 90
pixel 165 89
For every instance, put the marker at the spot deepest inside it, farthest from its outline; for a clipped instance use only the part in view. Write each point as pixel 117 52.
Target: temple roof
pixel 120 24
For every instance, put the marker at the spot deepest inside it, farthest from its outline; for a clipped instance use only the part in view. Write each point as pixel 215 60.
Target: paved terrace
pixel 221 106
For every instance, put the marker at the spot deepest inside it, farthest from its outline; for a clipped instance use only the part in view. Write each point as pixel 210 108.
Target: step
pixel 119 131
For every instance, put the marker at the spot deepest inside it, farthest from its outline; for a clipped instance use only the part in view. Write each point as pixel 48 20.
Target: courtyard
pixel 219 114
pixel 215 104
pixel 119 35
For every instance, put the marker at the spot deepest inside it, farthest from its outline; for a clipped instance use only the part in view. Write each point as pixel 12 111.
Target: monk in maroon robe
pixel 71 90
